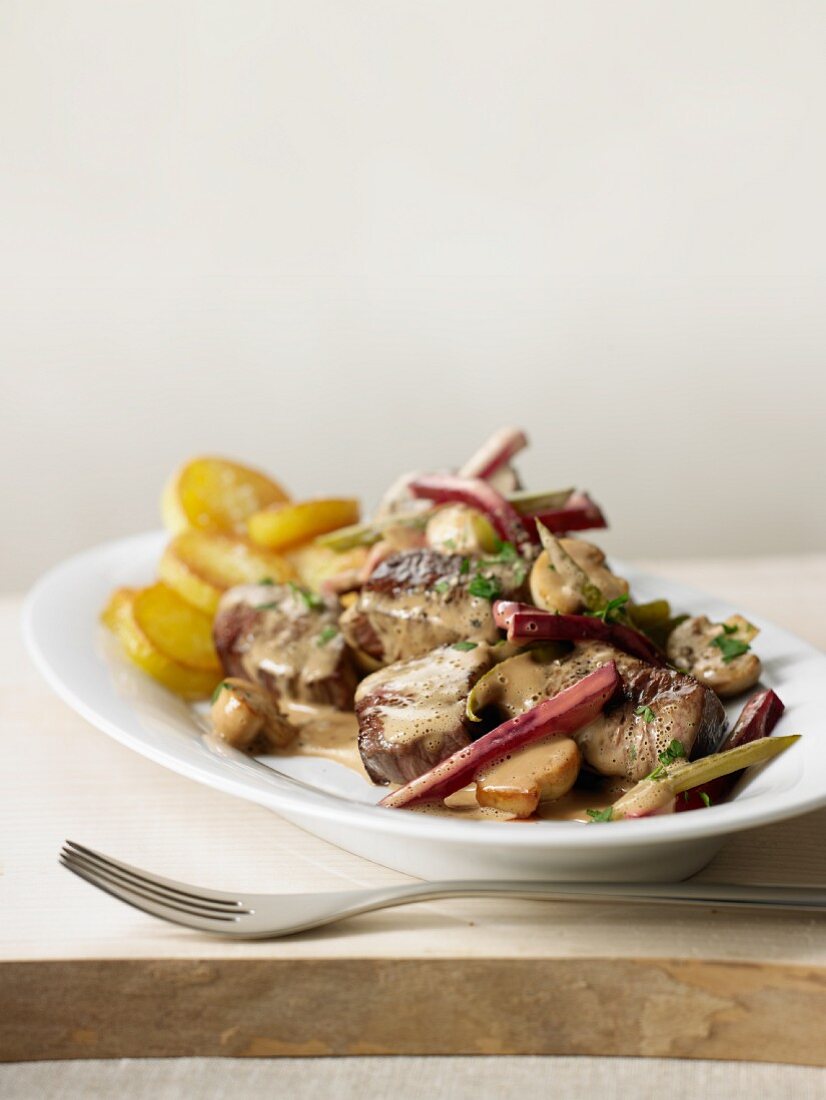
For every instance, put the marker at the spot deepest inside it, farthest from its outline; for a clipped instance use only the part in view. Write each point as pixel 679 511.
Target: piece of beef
pixel 286 639
pixel 417 600
pixel 411 714
pixel 671 706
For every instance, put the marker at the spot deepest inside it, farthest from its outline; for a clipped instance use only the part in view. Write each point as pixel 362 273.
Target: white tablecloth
pixel 409 1079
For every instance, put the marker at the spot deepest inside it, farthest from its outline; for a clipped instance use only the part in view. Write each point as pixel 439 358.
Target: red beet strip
pixel 504 611
pixel 565 713
pixel 443 488
pixel 530 624
pixel 579 513
pixel 757 720
pixel 494 453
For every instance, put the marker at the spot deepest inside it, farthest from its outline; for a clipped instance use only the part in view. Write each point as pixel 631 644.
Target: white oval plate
pixel 83 665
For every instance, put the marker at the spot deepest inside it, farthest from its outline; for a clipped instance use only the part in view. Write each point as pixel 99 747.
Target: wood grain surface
pixel 83 976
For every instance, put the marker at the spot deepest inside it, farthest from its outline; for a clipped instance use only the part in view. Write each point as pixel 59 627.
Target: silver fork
pixel 267 916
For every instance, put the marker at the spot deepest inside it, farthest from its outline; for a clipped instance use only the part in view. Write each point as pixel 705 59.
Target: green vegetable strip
pixel 366 534
pixel 703 771
pixel 528 504
pixel 647 616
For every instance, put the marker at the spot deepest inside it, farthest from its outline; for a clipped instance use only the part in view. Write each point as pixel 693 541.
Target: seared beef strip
pixel 412 714
pixel 288 641
pixel 419 599
pixel 621 741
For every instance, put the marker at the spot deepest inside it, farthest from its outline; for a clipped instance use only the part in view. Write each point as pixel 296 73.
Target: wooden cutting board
pixel 82 975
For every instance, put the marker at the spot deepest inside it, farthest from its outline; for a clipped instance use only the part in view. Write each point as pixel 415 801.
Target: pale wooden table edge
pixel 738 1011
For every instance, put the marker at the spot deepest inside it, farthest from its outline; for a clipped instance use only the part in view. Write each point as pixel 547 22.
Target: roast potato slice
pixel 215 494
pixel 183 680
pixel 175 628
pixel 283 526
pixel 202 565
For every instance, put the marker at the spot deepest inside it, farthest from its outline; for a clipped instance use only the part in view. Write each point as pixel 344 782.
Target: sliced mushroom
pixel 542 772
pixel 714 653
pixel 246 716
pixel 554 592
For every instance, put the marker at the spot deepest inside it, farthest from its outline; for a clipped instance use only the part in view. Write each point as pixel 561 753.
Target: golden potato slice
pixel 175 628
pixel 202 565
pixel 283 526
pixel 188 682
pixel 215 494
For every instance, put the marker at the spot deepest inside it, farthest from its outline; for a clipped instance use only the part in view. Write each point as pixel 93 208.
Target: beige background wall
pixel 340 239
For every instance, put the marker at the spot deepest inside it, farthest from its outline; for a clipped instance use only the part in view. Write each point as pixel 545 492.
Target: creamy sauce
pixel 620 742
pixel 517 683
pixel 544 771
pixel 573 806
pixel 289 647
pixel 326 732
pixel 431 607
pixel 333 735
pixel 408 625
pixel 425 698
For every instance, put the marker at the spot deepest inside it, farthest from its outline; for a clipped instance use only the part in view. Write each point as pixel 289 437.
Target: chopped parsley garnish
pixel 706 800
pixel 506 553
pixel 327 635
pixel 219 688
pixel 313 601
pixel 486 588
pixel 266 580
pixel 730 647
pixel 463 647
pixel 465 566
pixel 646 713
pixel 728 628
pixel 450 544
pixel 660 772
pixel 441 586
pixel 675 751
pixel 608 614
pixel 266 606
pixel 601 815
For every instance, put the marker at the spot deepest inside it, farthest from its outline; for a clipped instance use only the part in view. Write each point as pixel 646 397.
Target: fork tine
pixel 224 925
pixel 182 889
pixel 145 881
pixel 143 888
pixel 76 862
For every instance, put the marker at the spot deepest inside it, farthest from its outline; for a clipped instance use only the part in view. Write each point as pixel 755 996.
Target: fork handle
pixel 691 893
